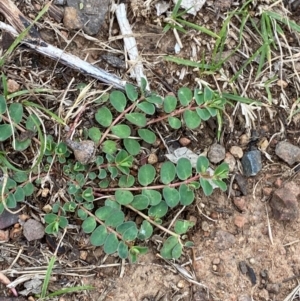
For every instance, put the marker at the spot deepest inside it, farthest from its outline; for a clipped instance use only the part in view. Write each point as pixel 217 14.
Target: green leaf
pixel 123 159
pixel 115 219
pixel 125 226
pixel 50 218
pixel 222 171
pixel 2 104
pixel 109 147
pixel 174 122
pixel 88 194
pixel 171 196
pixel 22 145
pixel 138 119
pixel 199 97
pixel 111 244
pixel 82 214
pixel 184 168
pixel 126 181
pixel 123 250
pixel 89 225
pixel 147 135
pixel 113 171
pixel 123 197
pixel 182 226
pixel 32 122
pixel 131 92
pixel 177 251
pixel 121 130
pixel 167 172
pixel 130 234
pixel 155 99
pixel 222 185
pixel 208 94
pixel 146 107
pixel 203 113
pixel 94 133
pixel 28 189
pixel 118 100
pixel 206 186
pixel 169 244
pixel 145 231
pixel 63 222
pixel 191 119
pixel 202 164
pixel 170 103
pixel 140 202
pixel 19 194
pixel 159 210
pixel 11 201
pixel 16 112
pixel 185 95
pixel 187 195
pixel 212 111
pixel 99 236
pixel 20 176
pixel 153 195
pixel 104 212
pixel 132 146
pixel 5 131
pixel 104 116
pixel 112 204
pixel 146 174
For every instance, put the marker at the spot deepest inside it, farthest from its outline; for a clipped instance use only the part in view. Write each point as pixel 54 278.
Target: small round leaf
pixel 187 195
pixel 146 107
pixel 89 225
pixel 171 196
pixel 140 202
pixel 118 100
pixel 146 174
pixel 138 119
pixel 131 92
pixel 99 236
pixel 202 164
pixel 121 130
pixel 159 210
pixel 153 195
pixel 111 244
pixel 191 119
pixel 94 133
pixel 167 172
pixel 104 116
pixel 147 135
pixel 123 250
pixel 182 226
pixel 16 112
pixel 206 186
pixel 123 197
pixel 5 131
pixel 185 95
pixel 184 168
pixel 170 103
pixel 132 146
pixel 174 122
pixel 145 231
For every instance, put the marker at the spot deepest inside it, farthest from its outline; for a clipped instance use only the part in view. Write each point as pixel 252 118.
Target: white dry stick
pixel 137 71
pixel 67 59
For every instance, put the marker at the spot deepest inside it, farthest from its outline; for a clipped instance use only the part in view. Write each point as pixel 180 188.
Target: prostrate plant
pixel 113 179
pixel 118 176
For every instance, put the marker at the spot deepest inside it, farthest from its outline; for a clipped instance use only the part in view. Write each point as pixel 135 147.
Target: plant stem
pixel 117 120
pixel 195 178
pixel 147 218
pixel 101 223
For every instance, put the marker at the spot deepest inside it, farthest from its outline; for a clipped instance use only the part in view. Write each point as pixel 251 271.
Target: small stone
pixel 244 139
pixel 214 267
pixel 205 226
pixel 240 203
pixel 33 230
pixel 72 19
pixel 230 160
pixel 84 151
pixel 288 152
pixel 8 219
pixel 263 295
pixel 281 83
pixel 47 208
pixel 224 240
pixel 181 284
pixel 284 202
pixel 184 141
pixel 236 151
pixel 240 221
pixel 216 153
pixel 242 183
pixel 12 86
pixel 251 163
pixel 152 159
pixel 273 288
pixel 252 260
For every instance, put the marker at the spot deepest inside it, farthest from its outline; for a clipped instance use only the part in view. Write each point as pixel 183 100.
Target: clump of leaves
pixel 149 192
pixel 116 181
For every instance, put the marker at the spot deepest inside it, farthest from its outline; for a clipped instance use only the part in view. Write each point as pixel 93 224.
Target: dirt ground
pixel 241 252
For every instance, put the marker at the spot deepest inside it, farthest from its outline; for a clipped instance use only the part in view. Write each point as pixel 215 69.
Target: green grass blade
pixel 241 99
pixel 283 20
pixel 70 290
pixel 25 92
pixel 189 63
pixel 51 114
pixel 198 27
pixel 47 277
